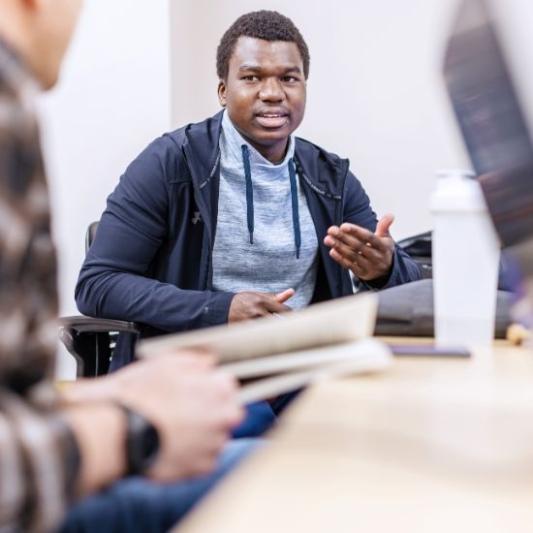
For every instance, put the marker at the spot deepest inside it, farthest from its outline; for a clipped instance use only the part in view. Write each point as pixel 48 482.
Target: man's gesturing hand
pixel 368 255
pixel 246 305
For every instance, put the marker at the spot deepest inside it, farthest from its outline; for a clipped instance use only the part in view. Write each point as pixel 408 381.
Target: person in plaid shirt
pixel 55 450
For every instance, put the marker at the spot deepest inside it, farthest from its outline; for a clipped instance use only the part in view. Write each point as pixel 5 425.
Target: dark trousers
pixel 138 505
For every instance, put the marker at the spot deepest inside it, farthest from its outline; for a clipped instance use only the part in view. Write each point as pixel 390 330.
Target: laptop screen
pixel 493 125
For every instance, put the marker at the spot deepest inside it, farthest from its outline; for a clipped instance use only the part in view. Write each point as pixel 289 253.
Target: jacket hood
pixel 200 146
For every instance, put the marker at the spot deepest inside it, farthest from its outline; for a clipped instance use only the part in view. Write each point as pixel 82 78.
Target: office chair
pixel 91 340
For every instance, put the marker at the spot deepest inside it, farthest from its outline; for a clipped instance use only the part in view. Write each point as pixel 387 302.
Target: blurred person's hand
pixel 246 305
pixel 192 405
pixel 368 255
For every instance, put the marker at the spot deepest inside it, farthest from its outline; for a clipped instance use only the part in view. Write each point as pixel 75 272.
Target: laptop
pixel 495 132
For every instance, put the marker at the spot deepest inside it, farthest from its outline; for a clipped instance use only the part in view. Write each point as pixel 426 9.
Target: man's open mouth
pixel 272 120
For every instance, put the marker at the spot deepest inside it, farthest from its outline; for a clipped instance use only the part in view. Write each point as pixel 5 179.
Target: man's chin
pixel 266 138
pixel 47 78
pixel 269 136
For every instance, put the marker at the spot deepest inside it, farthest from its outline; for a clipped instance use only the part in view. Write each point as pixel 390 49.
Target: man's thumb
pixel 282 297
pixel 382 229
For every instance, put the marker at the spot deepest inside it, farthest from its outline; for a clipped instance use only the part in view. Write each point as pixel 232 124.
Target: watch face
pixel 142 442
pixel 149 446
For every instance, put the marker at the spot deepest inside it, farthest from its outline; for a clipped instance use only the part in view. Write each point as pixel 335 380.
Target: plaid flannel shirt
pixel 36 448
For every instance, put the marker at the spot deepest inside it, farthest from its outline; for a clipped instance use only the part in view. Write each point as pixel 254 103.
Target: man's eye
pixel 289 79
pixel 250 77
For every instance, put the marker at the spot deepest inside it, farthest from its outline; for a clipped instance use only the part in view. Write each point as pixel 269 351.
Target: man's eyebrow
pixel 293 69
pixel 257 68
pixel 245 66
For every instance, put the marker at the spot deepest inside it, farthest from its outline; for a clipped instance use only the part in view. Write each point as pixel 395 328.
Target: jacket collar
pixel 201 149
pixel 317 167
pixel 323 172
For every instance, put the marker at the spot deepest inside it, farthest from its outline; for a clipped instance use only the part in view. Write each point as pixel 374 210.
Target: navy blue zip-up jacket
pixel 151 260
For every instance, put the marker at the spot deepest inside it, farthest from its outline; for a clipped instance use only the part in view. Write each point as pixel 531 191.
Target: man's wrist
pixel 83 391
pixel 100 433
pixel 382 280
pixel 141 442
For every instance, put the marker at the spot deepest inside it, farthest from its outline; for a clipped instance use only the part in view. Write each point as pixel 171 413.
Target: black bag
pixel 419 248
pixel 407 310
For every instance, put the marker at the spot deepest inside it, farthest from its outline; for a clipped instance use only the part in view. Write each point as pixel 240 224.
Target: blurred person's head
pixel 263 65
pixel 40 31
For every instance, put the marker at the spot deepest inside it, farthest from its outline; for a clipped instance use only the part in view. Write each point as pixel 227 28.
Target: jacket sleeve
pixel 38 467
pixel 113 282
pixel 357 210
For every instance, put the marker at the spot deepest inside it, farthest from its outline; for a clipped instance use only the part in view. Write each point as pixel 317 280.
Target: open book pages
pixel 324 324
pixel 300 369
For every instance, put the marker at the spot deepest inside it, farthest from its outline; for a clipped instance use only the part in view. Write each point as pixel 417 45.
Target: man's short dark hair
pixel 265 25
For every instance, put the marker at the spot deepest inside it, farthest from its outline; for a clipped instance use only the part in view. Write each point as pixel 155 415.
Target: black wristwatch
pixel 142 442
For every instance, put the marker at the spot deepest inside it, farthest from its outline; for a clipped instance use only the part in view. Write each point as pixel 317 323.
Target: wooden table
pixel 431 445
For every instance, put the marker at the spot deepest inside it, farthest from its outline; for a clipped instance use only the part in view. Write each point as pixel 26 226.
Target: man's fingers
pixel 357 246
pixel 200 356
pixel 366 254
pixel 347 251
pixel 363 235
pixel 382 229
pixel 192 360
pixel 359 268
pixel 282 297
pixel 353 260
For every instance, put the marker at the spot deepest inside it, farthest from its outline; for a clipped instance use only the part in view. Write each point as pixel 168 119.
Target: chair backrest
pixel 92 340
pixel 89 236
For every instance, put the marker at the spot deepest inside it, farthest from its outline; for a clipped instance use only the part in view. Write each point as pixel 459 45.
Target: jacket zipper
pixel 211 243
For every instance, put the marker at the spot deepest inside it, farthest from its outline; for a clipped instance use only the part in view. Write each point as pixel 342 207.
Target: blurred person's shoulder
pixel 19 138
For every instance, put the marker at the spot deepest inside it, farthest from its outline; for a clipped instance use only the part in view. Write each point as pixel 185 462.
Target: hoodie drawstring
pixel 295 212
pixel 250 200
pixel 249 192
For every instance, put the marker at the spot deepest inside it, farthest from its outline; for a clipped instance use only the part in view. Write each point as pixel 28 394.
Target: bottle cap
pixel 457 191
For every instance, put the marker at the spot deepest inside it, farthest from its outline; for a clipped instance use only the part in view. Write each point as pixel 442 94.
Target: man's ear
pixel 222 93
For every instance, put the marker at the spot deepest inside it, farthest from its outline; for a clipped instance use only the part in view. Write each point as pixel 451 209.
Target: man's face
pixel 52 24
pixel 265 93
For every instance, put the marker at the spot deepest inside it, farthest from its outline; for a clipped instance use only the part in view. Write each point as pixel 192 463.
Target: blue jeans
pixel 138 505
pixel 261 416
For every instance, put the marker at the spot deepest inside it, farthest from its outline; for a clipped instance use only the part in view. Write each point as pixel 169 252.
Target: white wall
pixel 374 94
pixel 114 98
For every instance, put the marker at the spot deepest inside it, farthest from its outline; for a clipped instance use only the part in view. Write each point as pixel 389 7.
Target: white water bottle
pixel 466 254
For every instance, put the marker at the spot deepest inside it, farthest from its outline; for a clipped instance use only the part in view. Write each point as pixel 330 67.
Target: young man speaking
pixel 228 219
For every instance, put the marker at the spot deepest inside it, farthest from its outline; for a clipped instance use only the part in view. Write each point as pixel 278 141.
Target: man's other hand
pixel 246 305
pixel 368 255
pixel 192 405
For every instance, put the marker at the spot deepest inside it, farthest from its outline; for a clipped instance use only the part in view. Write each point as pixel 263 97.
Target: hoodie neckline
pixel 202 149
pixel 235 141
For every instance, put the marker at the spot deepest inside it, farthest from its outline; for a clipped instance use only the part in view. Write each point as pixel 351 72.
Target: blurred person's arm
pixel 192 406
pixel 51 454
pixel 49 458
pixel 38 458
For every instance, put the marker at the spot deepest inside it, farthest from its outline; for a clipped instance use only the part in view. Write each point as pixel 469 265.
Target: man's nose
pixel 271 90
